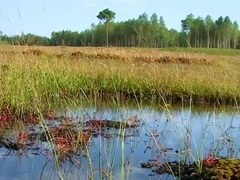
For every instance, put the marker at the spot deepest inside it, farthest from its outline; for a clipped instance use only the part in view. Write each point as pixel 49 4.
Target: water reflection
pixel 164 134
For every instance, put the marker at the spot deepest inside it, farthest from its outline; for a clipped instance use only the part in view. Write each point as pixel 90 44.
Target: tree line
pixel 143 31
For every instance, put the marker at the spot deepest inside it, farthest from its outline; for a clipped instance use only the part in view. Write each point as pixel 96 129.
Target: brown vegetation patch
pixel 110 128
pixel 131 122
pixel 66 139
pixel 147 57
pixel 35 52
pixel 76 55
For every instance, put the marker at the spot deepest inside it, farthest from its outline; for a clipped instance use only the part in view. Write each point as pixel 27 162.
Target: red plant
pixel 210 160
pixel 6 116
pixel 31 119
pixel 67 140
pixel 21 137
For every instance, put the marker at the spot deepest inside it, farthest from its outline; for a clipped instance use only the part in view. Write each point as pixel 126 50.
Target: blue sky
pixel 41 17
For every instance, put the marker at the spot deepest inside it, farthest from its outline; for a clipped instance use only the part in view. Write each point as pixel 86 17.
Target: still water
pixel 164 134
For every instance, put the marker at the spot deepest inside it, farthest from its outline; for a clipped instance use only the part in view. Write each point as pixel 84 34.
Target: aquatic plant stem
pixel 122 177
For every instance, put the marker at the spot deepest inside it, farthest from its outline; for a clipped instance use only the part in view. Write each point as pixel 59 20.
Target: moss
pixel 110 124
pixel 223 168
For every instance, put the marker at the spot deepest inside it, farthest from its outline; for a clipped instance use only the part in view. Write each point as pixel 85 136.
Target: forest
pixel 144 31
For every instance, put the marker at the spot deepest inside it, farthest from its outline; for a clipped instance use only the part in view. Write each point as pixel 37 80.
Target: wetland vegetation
pixel 44 91
pixel 30 76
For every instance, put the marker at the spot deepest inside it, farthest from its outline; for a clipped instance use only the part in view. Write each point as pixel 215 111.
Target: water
pixel 164 134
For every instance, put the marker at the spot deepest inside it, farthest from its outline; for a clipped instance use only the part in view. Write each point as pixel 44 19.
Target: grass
pixel 43 75
pixel 212 51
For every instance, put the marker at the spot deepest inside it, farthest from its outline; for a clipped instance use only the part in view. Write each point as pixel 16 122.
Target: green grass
pixel 30 82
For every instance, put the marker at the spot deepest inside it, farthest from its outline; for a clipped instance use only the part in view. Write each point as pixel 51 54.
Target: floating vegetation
pixel 212 168
pixel 147 139
pixel 66 140
pixel 20 140
pixel 224 168
pixel 66 135
pixel 131 122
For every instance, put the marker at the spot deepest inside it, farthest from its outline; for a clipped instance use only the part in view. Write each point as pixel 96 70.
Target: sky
pixel 42 17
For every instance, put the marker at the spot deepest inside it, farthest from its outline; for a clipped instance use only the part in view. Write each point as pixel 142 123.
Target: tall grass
pixel 28 80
